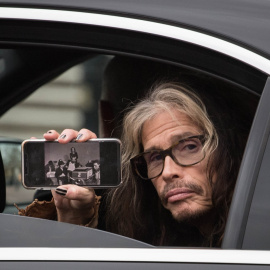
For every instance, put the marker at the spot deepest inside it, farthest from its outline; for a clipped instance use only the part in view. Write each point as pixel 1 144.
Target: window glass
pixel 71 101
pixel 68 101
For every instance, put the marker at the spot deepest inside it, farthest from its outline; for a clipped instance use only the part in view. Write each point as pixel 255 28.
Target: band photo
pixel 72 164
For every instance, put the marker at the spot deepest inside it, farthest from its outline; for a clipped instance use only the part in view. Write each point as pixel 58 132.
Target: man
pixel 179 171
pixel 61 173
pixel 49 167
pixel 96 172
pixel 187 199
pixel 71 165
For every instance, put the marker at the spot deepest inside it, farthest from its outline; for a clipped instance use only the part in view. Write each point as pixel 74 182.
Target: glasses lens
pixel 154 162
pixel 188 151
pixel 148 165
pixel 140 166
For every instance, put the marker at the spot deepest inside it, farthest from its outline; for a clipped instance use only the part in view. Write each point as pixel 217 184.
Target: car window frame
pixel 253 62
pixel 140 35
pixel 255 229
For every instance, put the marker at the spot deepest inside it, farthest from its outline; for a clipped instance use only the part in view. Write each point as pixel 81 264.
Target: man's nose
pixel 171 170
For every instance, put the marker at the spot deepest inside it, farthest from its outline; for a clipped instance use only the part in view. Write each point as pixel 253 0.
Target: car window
pixel 72 100
pixel 72 59
pixel 68 101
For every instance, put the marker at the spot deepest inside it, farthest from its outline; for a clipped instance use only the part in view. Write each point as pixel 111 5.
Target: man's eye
pixel 155 157
pixel 189 146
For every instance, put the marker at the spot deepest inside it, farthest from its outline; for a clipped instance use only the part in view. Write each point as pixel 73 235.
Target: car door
pixel 71 36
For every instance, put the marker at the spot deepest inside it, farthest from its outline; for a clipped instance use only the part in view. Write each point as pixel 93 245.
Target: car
pixel 61 60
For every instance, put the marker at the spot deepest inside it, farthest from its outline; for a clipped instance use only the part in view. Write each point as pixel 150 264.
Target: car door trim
pixel 212 256
pixel 248 174
pixel 140 25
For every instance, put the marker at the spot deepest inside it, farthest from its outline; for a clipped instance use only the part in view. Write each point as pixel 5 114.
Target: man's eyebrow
pixel 184 135
pixel 174 139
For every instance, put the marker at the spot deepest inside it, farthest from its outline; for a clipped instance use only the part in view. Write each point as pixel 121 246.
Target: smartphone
pixel 48 164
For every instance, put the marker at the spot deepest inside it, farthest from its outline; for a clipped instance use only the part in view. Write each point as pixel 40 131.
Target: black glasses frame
pixel 164 154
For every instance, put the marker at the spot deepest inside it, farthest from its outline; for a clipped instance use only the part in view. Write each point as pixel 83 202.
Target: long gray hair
pixel 134 206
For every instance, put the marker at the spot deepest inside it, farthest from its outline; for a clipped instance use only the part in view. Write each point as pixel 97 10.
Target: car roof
pixel 245 22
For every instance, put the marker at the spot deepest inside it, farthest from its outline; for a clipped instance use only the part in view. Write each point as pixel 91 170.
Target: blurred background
pixel 69 101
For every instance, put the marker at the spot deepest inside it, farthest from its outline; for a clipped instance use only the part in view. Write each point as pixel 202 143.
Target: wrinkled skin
pixel 184 191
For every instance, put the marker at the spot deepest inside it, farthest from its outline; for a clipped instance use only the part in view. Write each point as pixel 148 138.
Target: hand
pixel 68 135
pixel 74 204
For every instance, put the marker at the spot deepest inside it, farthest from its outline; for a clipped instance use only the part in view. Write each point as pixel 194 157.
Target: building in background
pixel 69 101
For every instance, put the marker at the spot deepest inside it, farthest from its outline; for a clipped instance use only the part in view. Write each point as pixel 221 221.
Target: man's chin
pixel 188 215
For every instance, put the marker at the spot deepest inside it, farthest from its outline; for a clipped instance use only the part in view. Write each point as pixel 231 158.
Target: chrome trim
pixel 211 256
pixel 143 26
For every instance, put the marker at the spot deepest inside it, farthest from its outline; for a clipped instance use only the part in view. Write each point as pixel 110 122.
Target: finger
pixel 79 193
pixel 33 138
pixel 76 206
pixel 85 135
pixel 67 135
pixel 73 192
pixel 51 135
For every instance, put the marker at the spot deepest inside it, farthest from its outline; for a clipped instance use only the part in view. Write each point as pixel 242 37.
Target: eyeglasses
pixel 186 152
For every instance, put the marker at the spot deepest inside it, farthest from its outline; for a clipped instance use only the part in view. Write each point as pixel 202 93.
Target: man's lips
pixel 178 194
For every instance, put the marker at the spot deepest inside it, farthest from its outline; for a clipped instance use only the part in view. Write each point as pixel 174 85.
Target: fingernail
pixel 79 136
pixel 63 136
pixel 61 191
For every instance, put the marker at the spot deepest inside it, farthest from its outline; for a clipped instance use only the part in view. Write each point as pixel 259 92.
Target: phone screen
pixel 94 163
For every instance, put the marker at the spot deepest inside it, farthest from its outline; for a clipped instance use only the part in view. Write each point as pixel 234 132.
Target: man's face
pixel 184 191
